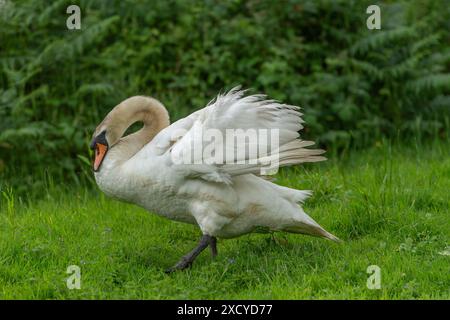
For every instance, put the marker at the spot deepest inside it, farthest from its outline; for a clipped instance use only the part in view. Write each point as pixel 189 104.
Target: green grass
pixel 389 205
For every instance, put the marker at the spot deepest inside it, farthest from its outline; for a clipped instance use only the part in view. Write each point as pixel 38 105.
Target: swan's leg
pixel 188 259
pixel 213 246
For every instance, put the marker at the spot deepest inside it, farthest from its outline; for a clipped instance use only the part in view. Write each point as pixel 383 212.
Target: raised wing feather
pixel 185 139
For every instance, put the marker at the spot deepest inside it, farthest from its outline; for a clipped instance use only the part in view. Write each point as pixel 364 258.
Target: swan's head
pixel 109 132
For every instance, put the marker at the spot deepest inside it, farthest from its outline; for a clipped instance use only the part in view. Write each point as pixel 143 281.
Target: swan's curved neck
pixel 147 110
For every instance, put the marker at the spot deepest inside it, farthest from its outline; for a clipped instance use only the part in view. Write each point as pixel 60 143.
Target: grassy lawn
pixel 390 205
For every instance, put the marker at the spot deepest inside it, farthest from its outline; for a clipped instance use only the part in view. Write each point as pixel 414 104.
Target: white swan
pixel 224 199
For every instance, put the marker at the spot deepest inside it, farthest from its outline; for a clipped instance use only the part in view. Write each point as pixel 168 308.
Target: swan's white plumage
pixel 224 200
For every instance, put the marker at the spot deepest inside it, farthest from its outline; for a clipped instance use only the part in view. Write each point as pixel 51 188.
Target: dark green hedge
pixel 355 85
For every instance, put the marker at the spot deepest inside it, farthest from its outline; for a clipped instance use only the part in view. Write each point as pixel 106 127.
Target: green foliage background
pixel 355 85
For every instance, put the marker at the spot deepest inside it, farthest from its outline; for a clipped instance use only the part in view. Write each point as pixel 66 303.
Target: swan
pixel 226 199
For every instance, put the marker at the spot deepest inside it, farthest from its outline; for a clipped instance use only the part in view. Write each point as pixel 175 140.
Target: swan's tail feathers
pixel 312 230
pixel 331 237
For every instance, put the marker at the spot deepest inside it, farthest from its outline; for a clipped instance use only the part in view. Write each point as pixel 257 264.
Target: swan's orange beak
pixel 100 152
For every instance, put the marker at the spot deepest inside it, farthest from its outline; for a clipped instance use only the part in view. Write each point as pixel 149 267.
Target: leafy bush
pixel 355 85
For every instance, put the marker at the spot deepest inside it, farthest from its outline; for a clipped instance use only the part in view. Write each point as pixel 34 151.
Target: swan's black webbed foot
pixel 187 260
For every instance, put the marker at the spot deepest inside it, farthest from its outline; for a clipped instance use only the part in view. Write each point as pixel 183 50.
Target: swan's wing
pixel 236 134
pixel 234 110
pixel 165 139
